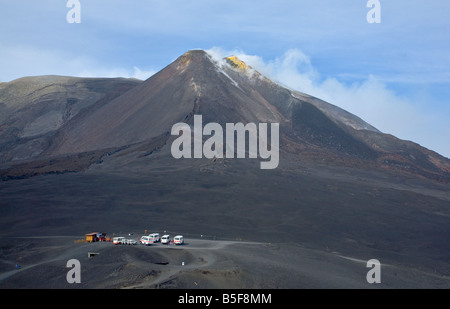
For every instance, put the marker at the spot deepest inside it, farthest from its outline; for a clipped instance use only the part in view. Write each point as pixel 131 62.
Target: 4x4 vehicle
pixel 130 242
pixel 178 240
pixel 155 237
pixel 146 240
pixel 165 239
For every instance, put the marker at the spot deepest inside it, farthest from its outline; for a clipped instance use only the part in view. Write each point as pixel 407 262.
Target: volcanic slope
pixel 34 109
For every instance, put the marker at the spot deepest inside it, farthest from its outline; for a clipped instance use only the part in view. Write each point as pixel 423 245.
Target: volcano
pixel 222 91
pixel 82 154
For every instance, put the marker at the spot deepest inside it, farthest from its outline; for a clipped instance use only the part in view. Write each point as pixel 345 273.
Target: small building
pixel 93 237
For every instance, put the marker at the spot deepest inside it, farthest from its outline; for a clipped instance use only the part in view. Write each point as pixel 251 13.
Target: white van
pixel 178 240
pixel 118 240
pixel 146 240
pixel 165 239
pixel 155 237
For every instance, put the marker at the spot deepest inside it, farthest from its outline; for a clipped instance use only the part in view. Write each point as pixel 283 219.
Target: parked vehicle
pixel 165 239
pixel 146 240
pixel 130 242
pixel 178 240
pixel 118 240
pixel 155 237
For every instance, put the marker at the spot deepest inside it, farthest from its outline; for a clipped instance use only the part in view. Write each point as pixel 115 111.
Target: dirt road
pixel 197 264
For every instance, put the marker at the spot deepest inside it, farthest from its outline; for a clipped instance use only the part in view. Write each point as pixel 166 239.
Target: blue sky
pixel 395 74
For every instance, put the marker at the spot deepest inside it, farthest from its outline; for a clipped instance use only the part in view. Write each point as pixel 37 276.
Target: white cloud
pixel 143 75
pixel 117 72
pixel 31 61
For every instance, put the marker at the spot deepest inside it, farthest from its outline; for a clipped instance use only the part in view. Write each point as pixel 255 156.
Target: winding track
pixel 203 247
